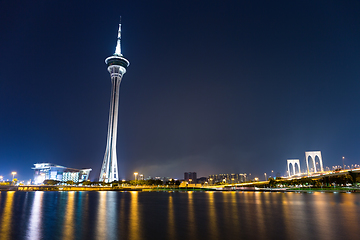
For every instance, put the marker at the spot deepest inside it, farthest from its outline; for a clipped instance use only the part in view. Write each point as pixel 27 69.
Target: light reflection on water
pixel 7 216
pixel 226 210
pixel 323 220
pixel 288 224
pixel 111 212
pixel 35 218
pixel 68 224
pixel 234 208
pixel 212 217
pixel 352 217
pixel 191 215
pixel 84 211
pixel 260 221
pixel 135 220
pixel 176 215
pixel 101 226
pixel 171 219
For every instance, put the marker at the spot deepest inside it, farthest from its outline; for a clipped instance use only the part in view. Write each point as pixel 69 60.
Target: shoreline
pixel 164 189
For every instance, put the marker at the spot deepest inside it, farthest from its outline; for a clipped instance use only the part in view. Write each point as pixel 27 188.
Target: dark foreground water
pixel 178 215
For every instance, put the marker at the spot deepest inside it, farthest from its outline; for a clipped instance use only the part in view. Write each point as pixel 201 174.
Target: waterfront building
pixel 227 178
pixel 50 171
pixel 190 177
pixel 75 175
pixel 117 66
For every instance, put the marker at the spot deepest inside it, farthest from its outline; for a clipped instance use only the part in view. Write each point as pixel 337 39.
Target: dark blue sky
pixel 213 86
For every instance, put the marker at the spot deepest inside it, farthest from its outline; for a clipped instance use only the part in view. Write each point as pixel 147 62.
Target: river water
pixel 178 215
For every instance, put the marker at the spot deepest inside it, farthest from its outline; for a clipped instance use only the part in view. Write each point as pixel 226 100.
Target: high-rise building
pixel 227 178
pixel 117 65
pixel 190 177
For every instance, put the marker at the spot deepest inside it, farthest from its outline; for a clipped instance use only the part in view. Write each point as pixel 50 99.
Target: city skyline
pixel 213 87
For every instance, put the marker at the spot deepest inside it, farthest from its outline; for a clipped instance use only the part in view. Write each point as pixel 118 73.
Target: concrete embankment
pixel 8 188
pixel 98 188
pixel 164 189
pixel 63 188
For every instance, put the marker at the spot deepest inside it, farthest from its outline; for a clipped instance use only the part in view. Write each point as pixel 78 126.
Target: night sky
pixel 212 86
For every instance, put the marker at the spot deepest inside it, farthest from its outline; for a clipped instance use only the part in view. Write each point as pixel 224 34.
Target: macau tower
pixel 117 65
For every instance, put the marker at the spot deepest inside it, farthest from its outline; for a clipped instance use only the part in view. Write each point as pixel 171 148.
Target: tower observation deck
pixel 117 66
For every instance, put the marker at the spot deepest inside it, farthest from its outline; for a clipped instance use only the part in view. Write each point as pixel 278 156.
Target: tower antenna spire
pixel 118 44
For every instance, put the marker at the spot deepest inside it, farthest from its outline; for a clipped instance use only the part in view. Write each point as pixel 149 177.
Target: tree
pixel 70 182
pixel 51 182
pixel 353 176
pixel 272 182
pixel 86 183
pixel 14 181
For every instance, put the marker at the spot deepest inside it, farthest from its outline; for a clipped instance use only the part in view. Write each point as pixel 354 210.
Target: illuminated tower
pixel 117 65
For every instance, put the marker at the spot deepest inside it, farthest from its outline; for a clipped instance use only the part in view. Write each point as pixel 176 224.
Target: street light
pixel 135 173
pixel 343 162
pixel 13 173
pixel 265 176
pixel 1 178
